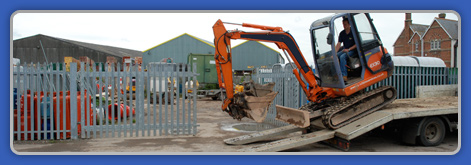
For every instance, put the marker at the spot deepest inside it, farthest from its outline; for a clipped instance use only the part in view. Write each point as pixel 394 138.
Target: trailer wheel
pixel 432 132
pixel 217 97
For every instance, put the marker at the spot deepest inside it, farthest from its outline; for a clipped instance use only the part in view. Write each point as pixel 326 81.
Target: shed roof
pixel 404 61
pixel 121 52
pixel 418 61
pixel 199 39
pixel 429 61
pixel 106 49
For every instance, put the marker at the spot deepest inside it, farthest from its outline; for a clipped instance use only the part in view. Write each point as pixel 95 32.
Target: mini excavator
pixel 337 101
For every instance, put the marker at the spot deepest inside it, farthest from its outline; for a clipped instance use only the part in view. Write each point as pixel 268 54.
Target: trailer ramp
pixel 292 142
pixel 347 133
pixel 262 135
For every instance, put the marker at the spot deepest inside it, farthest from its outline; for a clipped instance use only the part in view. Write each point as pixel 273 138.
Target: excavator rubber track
pixel 357 106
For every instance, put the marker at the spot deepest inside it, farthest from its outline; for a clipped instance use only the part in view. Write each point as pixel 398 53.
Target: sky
pixel 142 31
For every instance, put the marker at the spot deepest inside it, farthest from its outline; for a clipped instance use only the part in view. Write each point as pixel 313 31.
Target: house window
pixel 417 46
pixel 435 44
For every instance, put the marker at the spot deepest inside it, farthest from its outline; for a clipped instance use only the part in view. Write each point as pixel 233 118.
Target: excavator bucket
pixel 258 90
pixel 258 106
pixel 257 99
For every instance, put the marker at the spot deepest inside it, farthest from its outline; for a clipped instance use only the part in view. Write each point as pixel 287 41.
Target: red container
pixel 121 109
pixel 22 127
pixel 28 115
pixel 28 99
pixel 88 111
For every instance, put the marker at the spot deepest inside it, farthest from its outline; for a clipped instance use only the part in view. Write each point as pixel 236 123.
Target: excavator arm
pixel 276 35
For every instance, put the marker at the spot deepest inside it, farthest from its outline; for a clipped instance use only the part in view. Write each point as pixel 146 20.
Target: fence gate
pixel 116 101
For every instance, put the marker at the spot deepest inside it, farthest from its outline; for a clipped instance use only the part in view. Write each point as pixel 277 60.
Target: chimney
pixel 407 24
pixel 442 15
pixel 408 20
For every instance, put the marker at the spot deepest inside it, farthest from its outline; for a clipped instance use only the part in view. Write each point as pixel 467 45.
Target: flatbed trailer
pixel 214 94
pixel 422 120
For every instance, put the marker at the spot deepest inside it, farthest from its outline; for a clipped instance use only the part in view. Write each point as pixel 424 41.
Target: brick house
pixel 439 39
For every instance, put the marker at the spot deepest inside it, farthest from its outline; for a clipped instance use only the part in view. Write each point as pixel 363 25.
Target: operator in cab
pixel 349 47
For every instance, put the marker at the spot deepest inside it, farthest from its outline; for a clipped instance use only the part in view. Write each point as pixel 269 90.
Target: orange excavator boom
pixel 284 41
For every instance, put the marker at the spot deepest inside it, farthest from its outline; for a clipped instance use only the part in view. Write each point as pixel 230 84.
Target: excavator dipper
pixel 336 101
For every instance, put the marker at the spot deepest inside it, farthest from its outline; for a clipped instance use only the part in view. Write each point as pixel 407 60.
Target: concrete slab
pixel 436 91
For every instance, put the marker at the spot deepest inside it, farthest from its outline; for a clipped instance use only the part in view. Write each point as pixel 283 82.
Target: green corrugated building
pixel 254 54
pixel 245 56
pixel 178 49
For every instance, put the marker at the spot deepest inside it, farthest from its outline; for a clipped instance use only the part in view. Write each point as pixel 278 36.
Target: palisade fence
pixel 405 79
pixel 90 102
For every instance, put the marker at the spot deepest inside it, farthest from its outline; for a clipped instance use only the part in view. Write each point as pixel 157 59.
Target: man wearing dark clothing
pixel 345 37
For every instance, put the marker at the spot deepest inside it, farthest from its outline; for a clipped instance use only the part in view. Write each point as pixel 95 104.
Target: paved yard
pixel 210 138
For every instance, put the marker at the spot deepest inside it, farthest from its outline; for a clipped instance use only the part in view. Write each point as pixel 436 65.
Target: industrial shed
pixel 253 54
pixel 29 50
pixel 245 57
pixel 178 49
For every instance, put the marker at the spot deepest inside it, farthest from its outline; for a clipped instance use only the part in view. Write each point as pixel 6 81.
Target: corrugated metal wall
pixel 252 54
pixel 245 57
pixel 29 50
pixel 177 49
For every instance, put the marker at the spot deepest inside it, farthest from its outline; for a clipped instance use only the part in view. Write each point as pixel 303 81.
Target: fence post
pixel 194 98
pixel 82 99
pixel 73 100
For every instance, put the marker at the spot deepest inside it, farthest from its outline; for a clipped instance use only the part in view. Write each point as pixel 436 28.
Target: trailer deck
pixel 399 109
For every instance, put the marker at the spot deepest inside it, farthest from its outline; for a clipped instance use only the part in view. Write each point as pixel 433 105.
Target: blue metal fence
pixel 87 102
pixel 405 79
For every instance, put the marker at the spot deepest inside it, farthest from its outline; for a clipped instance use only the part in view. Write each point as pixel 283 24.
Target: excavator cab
pixel 368 58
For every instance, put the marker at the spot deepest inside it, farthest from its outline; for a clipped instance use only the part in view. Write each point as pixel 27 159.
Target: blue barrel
pixel 45 106
pixel 48 128
pixel 14 98
pixel 180 88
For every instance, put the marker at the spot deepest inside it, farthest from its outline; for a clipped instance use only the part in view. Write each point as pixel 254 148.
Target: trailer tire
pixel 216 97
pixel 432 132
